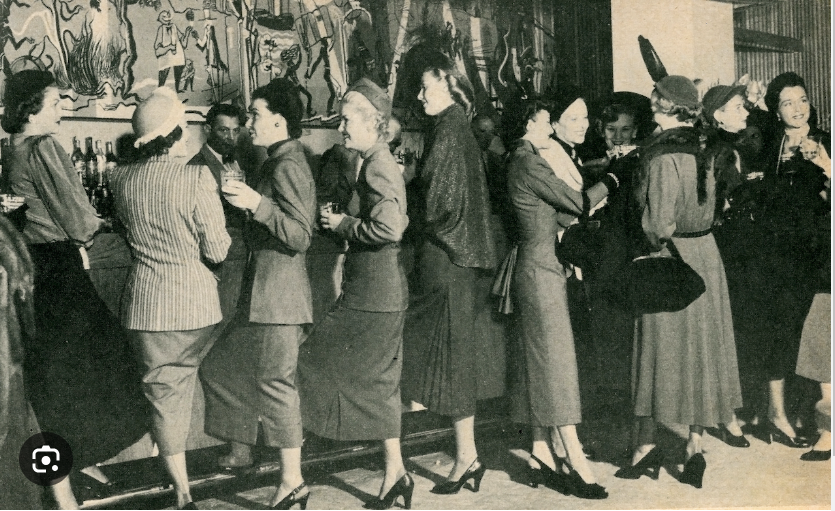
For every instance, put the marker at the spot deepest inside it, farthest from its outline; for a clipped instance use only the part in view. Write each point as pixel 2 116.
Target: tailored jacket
pixel 175 226
pixel 278 236
pixel 373 277
pixel 235 218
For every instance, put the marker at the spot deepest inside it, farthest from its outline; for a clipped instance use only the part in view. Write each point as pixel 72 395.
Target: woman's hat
pixel 678 89
pixel 374 94
pixel 563 98
pixel 718 96
pixel 157 115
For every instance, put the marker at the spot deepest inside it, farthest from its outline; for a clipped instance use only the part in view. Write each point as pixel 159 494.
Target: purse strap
pixel 584 214
pixel 673 250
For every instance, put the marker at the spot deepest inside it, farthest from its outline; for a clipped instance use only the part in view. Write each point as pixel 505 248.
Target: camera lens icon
pixel 43 459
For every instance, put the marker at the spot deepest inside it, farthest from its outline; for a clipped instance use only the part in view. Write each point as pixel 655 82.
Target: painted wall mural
pixel 112 53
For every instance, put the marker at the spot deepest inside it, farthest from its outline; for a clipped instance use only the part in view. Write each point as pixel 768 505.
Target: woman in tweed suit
pixel 175 227
pixel 249 376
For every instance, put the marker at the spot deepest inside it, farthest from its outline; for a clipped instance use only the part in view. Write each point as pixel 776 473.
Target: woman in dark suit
pixel 80 375
pixel 452 217
pixel 795 155
pixel 249 376
pixel 545 205
pixel 349 368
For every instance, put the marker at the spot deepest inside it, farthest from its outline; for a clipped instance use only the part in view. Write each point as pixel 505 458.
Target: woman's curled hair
pixel 460 88
pixel 516 116
pixel 24 97
pixel 158 146
pixel 368 112
pixel 680 112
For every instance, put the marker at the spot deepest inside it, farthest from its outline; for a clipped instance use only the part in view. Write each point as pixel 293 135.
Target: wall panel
pixel 807 20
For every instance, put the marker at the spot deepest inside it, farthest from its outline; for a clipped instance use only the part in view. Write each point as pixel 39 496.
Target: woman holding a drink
pixel 249 376
pixel 796 162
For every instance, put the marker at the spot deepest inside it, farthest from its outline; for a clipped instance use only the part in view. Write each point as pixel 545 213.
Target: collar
pixel 447 111
pixel 281 148
pixel 569 150
pixel 216 154
pixel 376 148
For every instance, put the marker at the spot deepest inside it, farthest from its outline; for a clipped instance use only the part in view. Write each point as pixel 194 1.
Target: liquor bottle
pixel 78 160
pixel 90 168
pixel 111 158
pixel 101 164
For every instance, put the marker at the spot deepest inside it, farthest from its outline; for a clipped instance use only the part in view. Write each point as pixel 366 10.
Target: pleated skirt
pixel 441 342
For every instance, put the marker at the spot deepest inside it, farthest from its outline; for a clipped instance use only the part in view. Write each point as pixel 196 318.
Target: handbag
pixel 662 283
pixel 582 243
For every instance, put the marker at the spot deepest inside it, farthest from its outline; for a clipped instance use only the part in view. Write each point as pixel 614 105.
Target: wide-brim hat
pixel 157 115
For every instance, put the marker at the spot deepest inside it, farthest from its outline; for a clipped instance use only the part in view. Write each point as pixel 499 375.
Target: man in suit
pixel 226 156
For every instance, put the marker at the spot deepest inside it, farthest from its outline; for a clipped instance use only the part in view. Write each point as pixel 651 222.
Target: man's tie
pixel 228 158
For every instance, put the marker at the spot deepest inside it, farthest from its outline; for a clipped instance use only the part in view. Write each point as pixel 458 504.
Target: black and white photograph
pixel 415 254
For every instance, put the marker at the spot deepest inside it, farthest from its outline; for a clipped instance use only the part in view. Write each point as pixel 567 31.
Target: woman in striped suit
pixel 176 228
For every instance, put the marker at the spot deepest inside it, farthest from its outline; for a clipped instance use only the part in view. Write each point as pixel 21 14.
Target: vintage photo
pixel 429 254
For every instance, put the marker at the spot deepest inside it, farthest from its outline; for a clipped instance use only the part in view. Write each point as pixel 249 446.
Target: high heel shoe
pixel 404 487
pixel 649 465
pixel 694 470
pixel 723 434
pixel 453 487
pixel 580 488
pixel 769 432
pixel 292 499
pixel 554 479
pixel 814 455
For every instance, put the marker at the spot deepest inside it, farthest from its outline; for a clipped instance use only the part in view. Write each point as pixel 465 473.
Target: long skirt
pixel 440 344
pixel 547 390
pixel 79 370
pixel 349 375
pixel 685 362
pixel 249 377
pixel 815 358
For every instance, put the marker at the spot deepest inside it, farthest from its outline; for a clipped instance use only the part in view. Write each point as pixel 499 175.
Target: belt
pixel 696 234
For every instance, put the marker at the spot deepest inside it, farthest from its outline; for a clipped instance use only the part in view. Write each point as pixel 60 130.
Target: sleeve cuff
pixel 346 227
pixel 261 213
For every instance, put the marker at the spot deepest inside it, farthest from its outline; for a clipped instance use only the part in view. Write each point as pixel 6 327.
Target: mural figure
pixel 357 37
pixel 98 60
pixel 188 76
pixel 326 74
pixel 169 48
pixel 292 59
pixel 215 66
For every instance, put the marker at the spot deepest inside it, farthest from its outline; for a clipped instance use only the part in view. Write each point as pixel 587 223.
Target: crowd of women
pixel 746 207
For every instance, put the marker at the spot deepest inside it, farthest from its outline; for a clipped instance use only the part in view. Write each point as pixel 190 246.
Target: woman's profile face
pixel 47 121
pixel 572 125
pixel 539 126
pixel 793 108
pixel 434 93
pixel 358 131
pixel 620 132
pixel 263 124
pixel 733 115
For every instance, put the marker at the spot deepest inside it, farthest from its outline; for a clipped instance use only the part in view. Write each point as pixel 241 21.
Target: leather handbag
pixel 662 283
